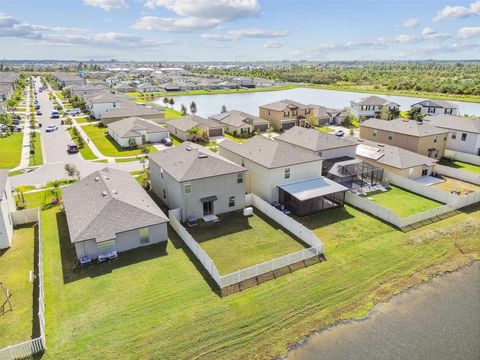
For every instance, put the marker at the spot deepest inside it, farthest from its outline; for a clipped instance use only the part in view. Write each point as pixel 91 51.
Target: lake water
pixel 208 105
pixel 436 320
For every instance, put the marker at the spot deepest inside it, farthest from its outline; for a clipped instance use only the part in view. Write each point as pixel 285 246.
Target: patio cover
pixel 312 188
pixel 208 199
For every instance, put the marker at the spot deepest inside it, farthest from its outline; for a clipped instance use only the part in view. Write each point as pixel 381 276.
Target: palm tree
pixel 166 101
pixel 415 113
pixel 55 189
pixel 183 109
pixel 193 107
pixel 224 109
pixel 394 113
pixel 171 102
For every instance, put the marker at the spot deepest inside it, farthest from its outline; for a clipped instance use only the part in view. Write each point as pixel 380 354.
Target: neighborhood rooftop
pixel 437 103
pixel 133 125
pixel 108 202
pixel 403 126
pixel 185 123
pixel 372 100
pixel 190 161
pixel 238 118
pixel 460 123
pixel 284 104
pixel 131 110
pixel 270 153
pixel 313 139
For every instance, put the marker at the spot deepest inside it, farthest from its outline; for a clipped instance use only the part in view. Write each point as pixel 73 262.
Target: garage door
pixel 261 128
pixel 286 126
pixel 215 132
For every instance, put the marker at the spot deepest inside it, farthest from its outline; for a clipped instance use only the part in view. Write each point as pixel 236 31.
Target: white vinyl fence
pixel 306 235
pixel 460 156
pixel 28 348
pixel 459 174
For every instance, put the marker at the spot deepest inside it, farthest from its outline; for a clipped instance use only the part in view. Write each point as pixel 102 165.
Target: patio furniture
pixel 211 217
pixel 107 256
pixel 191 221
pixel 85 261
pixel 248 211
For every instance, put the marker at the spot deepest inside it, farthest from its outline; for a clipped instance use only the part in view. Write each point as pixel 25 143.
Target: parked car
pixel 3 127
pixel 51 128
pixel 72 148
pixel 37 107
pixel 55 114
pixel 167 141
pixel 17 128
pixel 74 111
pixel 339 132
pixel 39 112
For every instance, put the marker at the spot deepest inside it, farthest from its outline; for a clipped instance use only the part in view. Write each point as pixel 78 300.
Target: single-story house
pixel 238 122
pixel 197 181
pixel 371 106
pixel 137 129
pixel 464 132
pixel 157 115
pixel 7 206
pixel 328 116
pixel 182 127
pixel 437 107
pixel 147 87
pixel 108 212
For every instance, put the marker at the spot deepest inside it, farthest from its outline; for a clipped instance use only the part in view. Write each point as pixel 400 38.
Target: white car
pixel 339 132
pixel 51 128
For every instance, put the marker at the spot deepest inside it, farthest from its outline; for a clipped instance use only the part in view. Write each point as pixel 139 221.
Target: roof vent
pixel 202 156
pixel 105 177
pixel 360 140
pixel 97 178
pixel 114 192
pixel 189 148
pixel 104 193
pixel 381 145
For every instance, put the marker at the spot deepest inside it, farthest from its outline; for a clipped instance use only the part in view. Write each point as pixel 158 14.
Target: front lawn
pixel 106 144
pixel 86 152
pixel 234 138
pixel 157 303
pixel 402 202
pixel 37 158
pixel 237 242
pixel 11 150
pixel 460 165
pixel 175 140
pixel 324 129
pixel 15 266
pixel 82 120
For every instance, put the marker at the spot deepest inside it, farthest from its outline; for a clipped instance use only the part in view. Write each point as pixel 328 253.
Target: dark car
pixel 167 141
pixel 72 149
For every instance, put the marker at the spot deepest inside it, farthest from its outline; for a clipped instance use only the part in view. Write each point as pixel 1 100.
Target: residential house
pixel 371 106
pixel 415 136
pixel 284 114
pixel 197 181
pixel 328 116
pixel 437 107
pixel 7 206
pixel 108 212
pixel 99 103
pixel 123 87
pixel 464 132
pixel 129 109
pixel 244 82
pixel 66 79
pixel 238 122
pixel 182 127
pixel 394 159
pixel 87 89
pixel 138 130
pixel 147 87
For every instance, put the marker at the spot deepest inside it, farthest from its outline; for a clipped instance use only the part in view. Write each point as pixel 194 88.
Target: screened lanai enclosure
pixel 355 174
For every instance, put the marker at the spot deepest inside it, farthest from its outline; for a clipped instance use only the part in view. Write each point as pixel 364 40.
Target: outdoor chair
pixel 191 221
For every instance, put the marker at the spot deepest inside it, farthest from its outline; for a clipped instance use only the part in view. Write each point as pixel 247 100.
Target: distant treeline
pixel 446 78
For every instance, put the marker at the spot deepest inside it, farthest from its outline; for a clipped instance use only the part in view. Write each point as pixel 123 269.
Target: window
pixel 287 173
pixel 243 163
pixel 375 131
pixel 435 138
pixel 390 136
pixel 319 154
pixel 164 194
pixel 161 172
pixel 144 235
pixel 445 137
pixel 114 105
pixel 285 114
pixel 240 178
pixel 454 135
pixel 464 136
pixel 431 110
pixel 187 187
pixel 231 201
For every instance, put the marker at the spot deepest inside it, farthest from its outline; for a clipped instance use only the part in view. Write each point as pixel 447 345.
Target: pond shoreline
pixel 444 275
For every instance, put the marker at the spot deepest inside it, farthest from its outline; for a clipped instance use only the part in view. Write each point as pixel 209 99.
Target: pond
pixel 208 105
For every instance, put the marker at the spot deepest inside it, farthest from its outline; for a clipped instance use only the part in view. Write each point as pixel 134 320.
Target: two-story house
pixel 98 103
pixel 464 132
pixel 7 205
pixel 437 107
pixel 197 181
pixel 371 106
pixel 284 114
pixel 415 136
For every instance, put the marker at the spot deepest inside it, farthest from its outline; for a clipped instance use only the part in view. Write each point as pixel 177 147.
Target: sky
pixel 239 30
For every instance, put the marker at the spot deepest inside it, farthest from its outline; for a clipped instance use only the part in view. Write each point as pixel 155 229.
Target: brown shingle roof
pixel 312 139
pixel 402 126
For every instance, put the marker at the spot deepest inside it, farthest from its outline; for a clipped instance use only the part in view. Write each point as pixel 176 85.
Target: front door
pixel 208 208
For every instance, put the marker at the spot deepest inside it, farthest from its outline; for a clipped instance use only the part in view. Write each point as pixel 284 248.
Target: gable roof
pixel 3 181
pixel 131 110
pixel 314 140
pixel 437 103
pixel 270 153
pixel 187 122
pixel 133 126
pixel 460 123
pixel 391 155
pixel 284 104
pixel 373 100
pixel 237 118
pixel 403 126
pixel 105 98
pixel 190 161
pixel 108 202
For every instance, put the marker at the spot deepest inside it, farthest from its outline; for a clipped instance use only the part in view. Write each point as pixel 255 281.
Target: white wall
pixel 350 151
pixel 7 205
pixel 98 108
pixel 436 110
pixel 471 144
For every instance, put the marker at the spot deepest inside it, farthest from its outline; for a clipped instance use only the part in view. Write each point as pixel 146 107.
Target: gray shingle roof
pixel 402 126
pixel 270 153
pixel 237 118
pixel 108 202
pixel 187 122
pixel 460 123
pixel 312 139
pixel 131 110
pixel 437 103
pixel 3 181
pixel 131 126
pixel 284 104
pixel 190 161
pixel 373 100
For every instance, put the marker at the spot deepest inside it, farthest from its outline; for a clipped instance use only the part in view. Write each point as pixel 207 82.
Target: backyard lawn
pixel 461 165
pixel 11 150
pixel 237 242
pixel 457 185
pixel 156 302
pixel 402 202
pixel 172 113
pixel 86 152
pixel 106 144
pixel 15 266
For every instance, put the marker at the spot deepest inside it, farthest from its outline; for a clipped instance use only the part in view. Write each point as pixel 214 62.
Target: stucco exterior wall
pixel 7 205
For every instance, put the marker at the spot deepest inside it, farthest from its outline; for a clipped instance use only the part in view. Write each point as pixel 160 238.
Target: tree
pixel 132 143
pixel 415 113
pixel 193 107
pixel 55 189
pixel 171 102
pixel 394 113
pixel 385 113
pixel 183 109
pixel 72 171
pixel 194 130
pixel 224 109
pixel 5 119
pixel 166 101
pixel 349 120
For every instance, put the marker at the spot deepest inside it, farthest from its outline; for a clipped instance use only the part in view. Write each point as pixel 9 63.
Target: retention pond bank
pixel 436 320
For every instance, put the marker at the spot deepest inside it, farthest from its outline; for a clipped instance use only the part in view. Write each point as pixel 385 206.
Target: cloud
pixel 274 44
pixel 236 35
pixel 411 23
pixel 195 15
pixel 107 5
pixel 458 12
pixel 428 31
pixel 447 48
pixel 466 32
pixel 427 34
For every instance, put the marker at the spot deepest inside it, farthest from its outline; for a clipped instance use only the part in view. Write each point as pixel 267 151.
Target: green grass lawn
pixel 86 152
pixel 256 239
pixel 68 106
pixel 402 202
pixel 82 120
pixel 121 160
pixel 106 144
pixel 461 165
pixel 155 303
pixel 15 266
pixel 172 113
pixel 234 138
pixel 324 129
pixel 59 94
pixel 37 158
pixel 11 150
pixel 175 140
